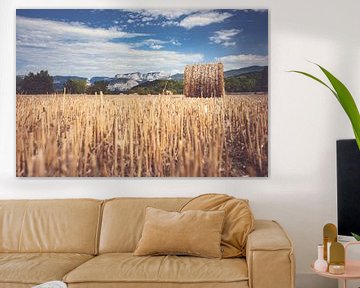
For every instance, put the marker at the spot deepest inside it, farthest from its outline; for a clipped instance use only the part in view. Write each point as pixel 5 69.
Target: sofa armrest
pixel 269 256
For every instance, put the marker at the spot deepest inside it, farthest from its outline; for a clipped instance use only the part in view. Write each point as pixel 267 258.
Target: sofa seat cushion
pixel 36 268
pixel 125 267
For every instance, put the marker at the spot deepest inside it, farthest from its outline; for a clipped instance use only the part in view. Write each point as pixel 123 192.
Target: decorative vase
pixel 320 264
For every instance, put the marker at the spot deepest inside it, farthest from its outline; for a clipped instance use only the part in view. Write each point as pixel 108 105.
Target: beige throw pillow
pixel 239 221
pixel 194 232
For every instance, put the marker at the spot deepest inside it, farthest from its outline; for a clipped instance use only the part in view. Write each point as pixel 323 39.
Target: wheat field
pixel 133 135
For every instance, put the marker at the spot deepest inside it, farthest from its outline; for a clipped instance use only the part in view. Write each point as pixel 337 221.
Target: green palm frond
pixel 344 97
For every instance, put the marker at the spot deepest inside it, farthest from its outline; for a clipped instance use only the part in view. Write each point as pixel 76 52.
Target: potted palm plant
pixel 347 102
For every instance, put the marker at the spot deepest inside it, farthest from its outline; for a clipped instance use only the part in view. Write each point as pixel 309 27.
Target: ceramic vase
pixel 320 264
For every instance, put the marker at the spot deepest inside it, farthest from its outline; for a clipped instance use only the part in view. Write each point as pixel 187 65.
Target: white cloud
pixel 91 59
pixel 175 42
pixel 167 23
pixel 74 49
pixel 158 17
pixel 146 19
pixel 169 14
pixel 225 37
pixel 155 44
pixel 203 19
pixel 184 18
pixel 242 60
pixel 40 32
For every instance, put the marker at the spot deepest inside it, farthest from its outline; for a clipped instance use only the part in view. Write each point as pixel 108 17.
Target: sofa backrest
pixel 123 220
pixel 67 226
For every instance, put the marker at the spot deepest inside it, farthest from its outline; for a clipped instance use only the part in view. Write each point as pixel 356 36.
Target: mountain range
pixel 125 82
pixel 249 79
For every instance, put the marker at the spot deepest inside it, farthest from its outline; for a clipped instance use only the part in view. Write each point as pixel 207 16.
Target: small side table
pixel 352 269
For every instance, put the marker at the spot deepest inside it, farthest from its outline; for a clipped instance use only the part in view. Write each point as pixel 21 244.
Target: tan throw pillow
pixel 238 224
pixel 196 233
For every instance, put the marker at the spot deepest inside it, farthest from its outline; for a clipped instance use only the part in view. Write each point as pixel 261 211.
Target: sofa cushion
pixel 193 232
pixel 126 268
pixel 239 220
pixel 36 268
pixel 63 226
pixel 123 220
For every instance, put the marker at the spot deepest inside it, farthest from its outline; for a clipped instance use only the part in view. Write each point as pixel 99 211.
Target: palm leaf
pixel 316 79
pixel 347 102
pixel 344 97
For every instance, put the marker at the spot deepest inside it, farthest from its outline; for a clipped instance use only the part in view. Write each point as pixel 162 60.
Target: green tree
pixel 39 83
pixel 97 87
pixel 157 87
pixel 75 86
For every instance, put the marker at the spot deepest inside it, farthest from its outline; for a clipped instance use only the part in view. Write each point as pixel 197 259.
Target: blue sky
pixel 107 42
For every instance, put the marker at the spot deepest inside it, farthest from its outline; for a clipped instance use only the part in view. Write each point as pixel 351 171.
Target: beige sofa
pixel 89 243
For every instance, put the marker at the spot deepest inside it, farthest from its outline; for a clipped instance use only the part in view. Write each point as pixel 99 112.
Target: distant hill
pixel 227 74
pixel 122 84
pixel 177 77
pixel 256 81
pixel 245 70
pixel 142 77
pixel 99 78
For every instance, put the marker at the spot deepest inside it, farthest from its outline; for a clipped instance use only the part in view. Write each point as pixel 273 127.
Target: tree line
pixel 43 83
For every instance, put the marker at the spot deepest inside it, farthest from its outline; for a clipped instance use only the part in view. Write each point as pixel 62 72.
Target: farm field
pixel 133 135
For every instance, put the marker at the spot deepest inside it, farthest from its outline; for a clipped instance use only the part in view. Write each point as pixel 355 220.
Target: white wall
pixel 305 120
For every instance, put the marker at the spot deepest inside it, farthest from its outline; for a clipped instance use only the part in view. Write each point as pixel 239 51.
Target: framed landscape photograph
pixel 141 93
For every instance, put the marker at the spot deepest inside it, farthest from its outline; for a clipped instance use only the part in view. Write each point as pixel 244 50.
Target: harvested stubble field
pixel 132 135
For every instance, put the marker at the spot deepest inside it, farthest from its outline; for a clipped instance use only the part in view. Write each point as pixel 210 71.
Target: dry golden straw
pixel 132 135
pixel 204 80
